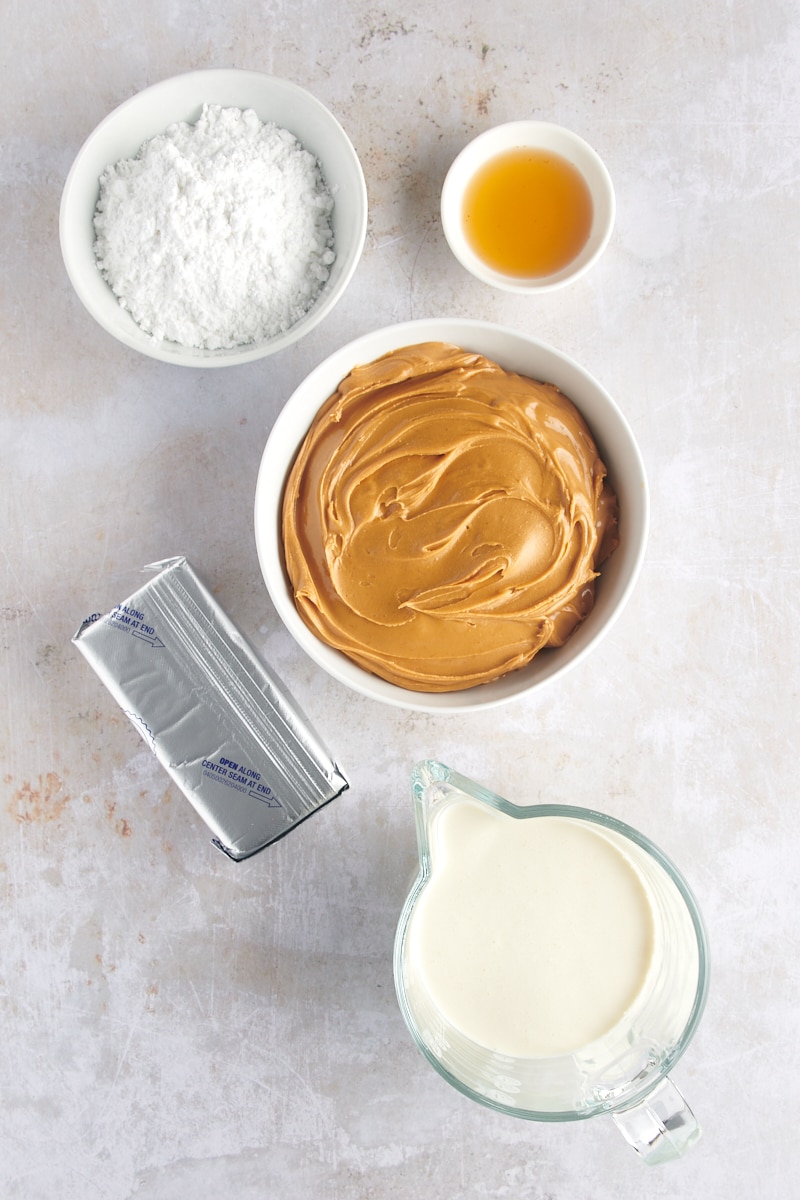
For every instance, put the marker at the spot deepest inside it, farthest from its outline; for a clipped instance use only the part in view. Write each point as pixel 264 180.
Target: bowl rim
pixel 198 87
pixel 536 134
pixel 273 470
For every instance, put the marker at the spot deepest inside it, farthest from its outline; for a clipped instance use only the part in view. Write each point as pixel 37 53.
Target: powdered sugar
pixel 217 234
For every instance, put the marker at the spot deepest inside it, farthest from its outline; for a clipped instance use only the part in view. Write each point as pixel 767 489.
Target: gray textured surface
pixel 177 1025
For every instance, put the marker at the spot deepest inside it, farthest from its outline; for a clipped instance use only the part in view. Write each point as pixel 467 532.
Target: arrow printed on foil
pixel 270 801
pixel 152 639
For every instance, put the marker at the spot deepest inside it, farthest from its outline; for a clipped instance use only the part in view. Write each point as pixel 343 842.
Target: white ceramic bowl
pixel 516 352
pixel 181 98
pixel 539 135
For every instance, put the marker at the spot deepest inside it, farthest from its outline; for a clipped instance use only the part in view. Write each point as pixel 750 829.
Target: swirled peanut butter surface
pixel 444 519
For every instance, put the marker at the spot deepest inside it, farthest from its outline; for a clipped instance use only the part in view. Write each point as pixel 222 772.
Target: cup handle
pixel 661 1126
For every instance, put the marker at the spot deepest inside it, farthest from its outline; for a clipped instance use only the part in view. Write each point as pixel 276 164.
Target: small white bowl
pixel 181 98
pixel 513 351
pixel 538 135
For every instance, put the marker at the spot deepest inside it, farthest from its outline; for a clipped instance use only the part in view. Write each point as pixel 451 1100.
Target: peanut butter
pixel 444 519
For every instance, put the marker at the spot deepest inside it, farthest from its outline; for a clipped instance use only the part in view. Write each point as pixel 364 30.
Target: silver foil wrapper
pixel 221 724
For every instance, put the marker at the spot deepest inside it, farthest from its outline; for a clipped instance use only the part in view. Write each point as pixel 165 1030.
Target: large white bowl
pixel 181 98
pixel 516 352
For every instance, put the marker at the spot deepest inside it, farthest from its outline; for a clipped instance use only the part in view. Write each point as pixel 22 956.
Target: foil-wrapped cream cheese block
pixel 222 725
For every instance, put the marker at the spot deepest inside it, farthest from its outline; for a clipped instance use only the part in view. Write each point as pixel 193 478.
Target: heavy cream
pixel 532 937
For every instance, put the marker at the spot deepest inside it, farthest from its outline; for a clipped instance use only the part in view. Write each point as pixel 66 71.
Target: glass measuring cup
pixel 623 1069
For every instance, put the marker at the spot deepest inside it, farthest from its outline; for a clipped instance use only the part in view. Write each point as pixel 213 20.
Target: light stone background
pixel 175 1025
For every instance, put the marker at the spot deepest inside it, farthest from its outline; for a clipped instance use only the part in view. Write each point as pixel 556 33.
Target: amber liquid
pixel 527 213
